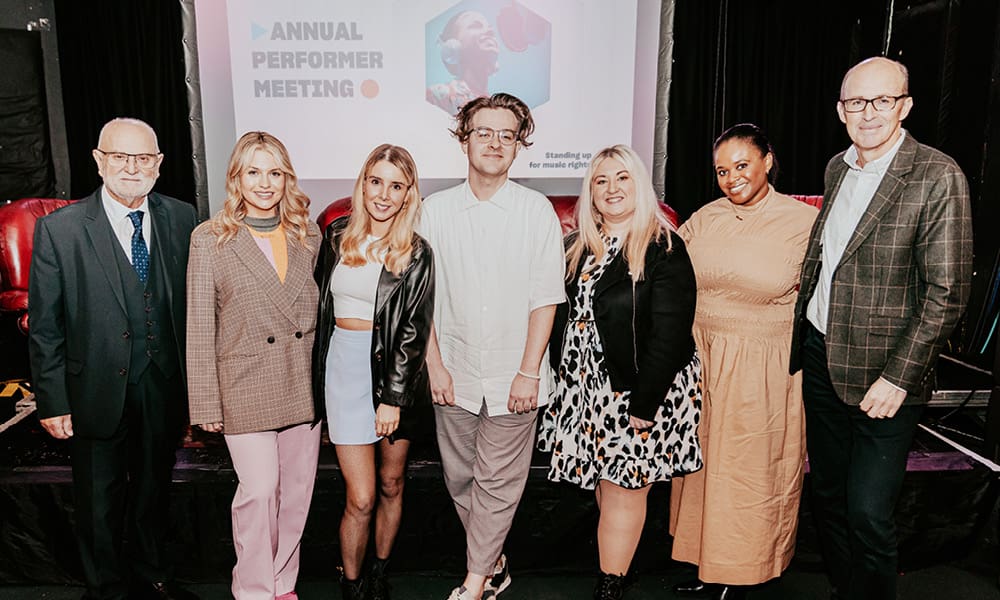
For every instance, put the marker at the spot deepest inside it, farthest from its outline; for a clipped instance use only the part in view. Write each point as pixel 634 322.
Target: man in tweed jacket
pixel 885 279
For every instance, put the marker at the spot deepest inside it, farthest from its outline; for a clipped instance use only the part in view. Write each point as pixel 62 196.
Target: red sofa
pixel 17 225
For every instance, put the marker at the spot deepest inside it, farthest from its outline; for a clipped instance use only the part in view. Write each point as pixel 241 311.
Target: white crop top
pixel 354 288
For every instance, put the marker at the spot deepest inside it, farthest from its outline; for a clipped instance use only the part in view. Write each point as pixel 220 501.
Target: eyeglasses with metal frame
pixel 118 159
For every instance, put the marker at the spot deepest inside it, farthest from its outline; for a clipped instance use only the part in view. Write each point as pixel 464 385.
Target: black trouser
pixel 121 487
pixel 856 469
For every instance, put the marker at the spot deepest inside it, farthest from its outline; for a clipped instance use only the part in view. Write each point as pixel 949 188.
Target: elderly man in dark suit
pixel 885 279
pixel 106 307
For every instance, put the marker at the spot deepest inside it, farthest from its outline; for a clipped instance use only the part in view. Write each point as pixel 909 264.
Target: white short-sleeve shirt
pixel 496 260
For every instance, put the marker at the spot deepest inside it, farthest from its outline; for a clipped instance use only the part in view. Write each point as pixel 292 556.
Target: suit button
pixel 151 337
pixel 149 323
pixel 126 335
pixel 147 294
pixel 122 372
pixel 270 339
pixel 298 334
pixel 148 309
pixel 149 353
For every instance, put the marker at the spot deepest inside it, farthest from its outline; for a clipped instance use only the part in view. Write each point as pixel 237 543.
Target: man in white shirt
pixel 885 279
pixel 499 265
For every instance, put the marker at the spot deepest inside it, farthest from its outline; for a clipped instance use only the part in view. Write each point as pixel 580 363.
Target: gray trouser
pixel 486 461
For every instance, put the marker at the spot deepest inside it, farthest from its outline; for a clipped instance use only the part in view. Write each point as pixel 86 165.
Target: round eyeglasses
pixel 485 134
pixel 856 105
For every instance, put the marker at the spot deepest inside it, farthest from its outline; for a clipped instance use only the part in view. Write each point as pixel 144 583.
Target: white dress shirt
pixel 121 224
pixel 496 261
pixel 850 204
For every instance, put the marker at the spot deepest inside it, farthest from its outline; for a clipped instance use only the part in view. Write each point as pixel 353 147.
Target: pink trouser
pixel 277 470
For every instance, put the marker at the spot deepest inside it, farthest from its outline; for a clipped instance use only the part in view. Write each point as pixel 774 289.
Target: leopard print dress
pixel 586 424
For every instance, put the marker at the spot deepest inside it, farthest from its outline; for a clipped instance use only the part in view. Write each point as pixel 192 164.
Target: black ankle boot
pixel 609 587
pixel 353 589
pixel 378 585
pixel 694 587
pixel 730 592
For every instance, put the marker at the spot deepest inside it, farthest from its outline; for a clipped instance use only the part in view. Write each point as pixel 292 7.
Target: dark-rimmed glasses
pixel 881 103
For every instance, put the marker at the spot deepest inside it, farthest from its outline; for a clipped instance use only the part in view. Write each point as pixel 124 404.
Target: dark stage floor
pixel 947 521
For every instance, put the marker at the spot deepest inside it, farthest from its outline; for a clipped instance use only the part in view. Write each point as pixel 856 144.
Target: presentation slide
pixel 334 80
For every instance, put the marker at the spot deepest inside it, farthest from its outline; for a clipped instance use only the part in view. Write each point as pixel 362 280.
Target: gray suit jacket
pixel 903 281
pixel 78 342
pixel 250 336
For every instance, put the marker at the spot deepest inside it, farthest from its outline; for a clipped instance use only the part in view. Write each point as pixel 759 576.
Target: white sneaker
pixel 500 579
pixel 460 593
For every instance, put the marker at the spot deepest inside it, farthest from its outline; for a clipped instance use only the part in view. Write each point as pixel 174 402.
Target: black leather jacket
pixel 404 308
pixel 645 327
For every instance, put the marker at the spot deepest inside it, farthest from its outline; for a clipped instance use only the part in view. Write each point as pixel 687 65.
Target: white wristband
pixel 523 374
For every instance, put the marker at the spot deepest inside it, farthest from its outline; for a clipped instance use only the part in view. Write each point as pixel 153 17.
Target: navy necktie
pixel 140 254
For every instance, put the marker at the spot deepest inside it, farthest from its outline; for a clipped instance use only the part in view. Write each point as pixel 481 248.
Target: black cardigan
pixel 645 327
pixel 404 308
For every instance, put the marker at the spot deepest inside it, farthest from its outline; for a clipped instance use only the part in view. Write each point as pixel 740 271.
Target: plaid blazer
pixel 904 278
pixel 250 336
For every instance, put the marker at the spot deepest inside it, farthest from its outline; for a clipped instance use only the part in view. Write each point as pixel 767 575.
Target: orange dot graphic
pixel 369 88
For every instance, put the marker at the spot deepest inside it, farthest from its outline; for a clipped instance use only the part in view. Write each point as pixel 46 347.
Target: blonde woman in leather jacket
pixel 376 282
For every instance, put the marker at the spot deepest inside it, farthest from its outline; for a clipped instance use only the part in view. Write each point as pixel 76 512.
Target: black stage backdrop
pixel 124 58
pixel 766 61
pixel 25 168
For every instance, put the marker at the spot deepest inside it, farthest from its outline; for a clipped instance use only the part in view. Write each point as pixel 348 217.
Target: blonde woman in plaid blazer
pixel 885 279
pixel 251 319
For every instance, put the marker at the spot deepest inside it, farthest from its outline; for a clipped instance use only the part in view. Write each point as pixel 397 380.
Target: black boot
pixel 694 586
pixel 353 589
pixel 731 592
pixel 609 587
pixel 378 585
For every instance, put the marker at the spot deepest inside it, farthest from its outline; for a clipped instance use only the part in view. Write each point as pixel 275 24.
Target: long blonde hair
pixel 294 206
pixel 398 244
pixel 648 223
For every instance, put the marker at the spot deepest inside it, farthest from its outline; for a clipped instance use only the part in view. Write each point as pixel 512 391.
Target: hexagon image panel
pixel 480 47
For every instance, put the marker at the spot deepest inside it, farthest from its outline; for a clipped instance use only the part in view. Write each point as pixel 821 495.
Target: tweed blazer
pixel 903 281
pixel 250 336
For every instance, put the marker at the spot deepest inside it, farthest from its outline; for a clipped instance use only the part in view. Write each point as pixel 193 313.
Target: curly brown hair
pixel 526 125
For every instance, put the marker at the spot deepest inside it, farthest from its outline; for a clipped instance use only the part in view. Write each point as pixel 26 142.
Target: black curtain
pixel 124 58
pixel 25 160
pixel 767 62
pixel 953 50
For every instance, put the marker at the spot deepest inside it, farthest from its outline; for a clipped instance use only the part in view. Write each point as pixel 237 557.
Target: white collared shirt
pixel 496 261
pixel 121 224
pixel 850 204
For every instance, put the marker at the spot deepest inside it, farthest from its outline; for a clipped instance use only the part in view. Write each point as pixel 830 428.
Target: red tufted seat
pixel 564 206
pixel 17 227
pixel 17 230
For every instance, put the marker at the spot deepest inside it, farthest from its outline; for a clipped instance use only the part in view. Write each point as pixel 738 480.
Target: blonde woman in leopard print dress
pixel 627 399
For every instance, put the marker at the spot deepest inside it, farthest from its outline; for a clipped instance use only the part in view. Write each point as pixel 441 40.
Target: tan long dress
pixel 737 517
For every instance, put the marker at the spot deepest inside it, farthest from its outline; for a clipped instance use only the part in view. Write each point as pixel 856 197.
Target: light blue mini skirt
pixel 350 411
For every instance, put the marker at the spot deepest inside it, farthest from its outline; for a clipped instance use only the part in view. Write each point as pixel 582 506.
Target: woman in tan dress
pixel 737 517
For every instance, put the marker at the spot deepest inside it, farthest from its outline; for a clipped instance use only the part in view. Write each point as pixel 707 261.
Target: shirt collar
pixel 880 164
pixel 118 211
pixel 500 199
